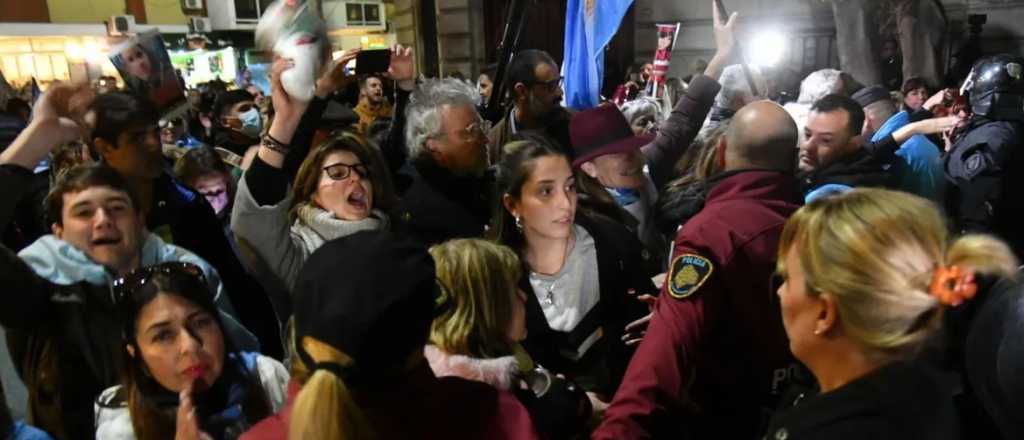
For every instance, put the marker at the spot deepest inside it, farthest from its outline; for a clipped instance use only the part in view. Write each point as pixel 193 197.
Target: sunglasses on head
pixel 125 286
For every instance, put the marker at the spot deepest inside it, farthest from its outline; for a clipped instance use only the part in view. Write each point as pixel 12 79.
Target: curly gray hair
pixel 735 86
pixel 641 107
pixel 423 115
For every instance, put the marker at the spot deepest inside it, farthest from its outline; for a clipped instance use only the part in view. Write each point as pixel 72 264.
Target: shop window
pixel 250 10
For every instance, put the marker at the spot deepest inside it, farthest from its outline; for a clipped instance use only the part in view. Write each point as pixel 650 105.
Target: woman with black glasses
pixel 342 187
pixel 181 378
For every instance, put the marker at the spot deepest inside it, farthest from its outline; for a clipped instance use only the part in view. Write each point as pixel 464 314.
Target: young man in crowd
pixel 126 138
pixel 533 82
pixel 715 355
pixel 372 104
pixel 238 123
pixel 58 311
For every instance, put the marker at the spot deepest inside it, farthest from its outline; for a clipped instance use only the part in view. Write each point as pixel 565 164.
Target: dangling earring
pixel 519 224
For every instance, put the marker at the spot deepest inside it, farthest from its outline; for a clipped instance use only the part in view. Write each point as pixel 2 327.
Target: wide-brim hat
pixel 601 131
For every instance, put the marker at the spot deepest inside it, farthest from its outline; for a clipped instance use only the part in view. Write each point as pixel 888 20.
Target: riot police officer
pixel 985 165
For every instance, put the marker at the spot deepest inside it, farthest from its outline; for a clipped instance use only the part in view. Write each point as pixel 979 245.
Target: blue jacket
pixel 922 174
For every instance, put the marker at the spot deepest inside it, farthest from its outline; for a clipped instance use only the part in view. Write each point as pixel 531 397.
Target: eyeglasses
pixel 341 171
pixel 551 86
pixel 124 287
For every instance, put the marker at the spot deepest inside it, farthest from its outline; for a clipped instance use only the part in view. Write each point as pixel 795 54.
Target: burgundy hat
pixel 602 130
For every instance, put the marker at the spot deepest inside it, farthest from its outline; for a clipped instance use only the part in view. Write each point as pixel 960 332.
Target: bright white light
pixel 766 49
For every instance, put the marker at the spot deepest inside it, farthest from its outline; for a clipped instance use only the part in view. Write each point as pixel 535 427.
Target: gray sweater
pixel 283 248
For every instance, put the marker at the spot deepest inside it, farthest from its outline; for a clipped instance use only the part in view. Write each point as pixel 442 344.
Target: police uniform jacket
pixel 902 400
pixel 622 265
pixel 985 173
pixel 715 355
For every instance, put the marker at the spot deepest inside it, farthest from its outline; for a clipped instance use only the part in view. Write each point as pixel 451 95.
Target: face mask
pixel 252 123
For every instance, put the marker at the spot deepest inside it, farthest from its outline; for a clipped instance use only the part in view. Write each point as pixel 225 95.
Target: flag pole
pixel 506 49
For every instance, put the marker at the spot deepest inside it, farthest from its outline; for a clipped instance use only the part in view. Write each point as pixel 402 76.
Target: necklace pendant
pixel 550 299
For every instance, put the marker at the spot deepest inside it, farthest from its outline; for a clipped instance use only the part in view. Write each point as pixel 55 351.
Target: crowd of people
pixel 698 263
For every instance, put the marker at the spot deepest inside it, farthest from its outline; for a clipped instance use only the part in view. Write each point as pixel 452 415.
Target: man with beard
pixel 237 121
pixel 372 105
pixel 535 85
pixel 832 154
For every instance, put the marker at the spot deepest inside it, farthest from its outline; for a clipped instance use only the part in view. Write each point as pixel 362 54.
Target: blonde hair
pixel 874 252
pixel 324 408
pixel 479 279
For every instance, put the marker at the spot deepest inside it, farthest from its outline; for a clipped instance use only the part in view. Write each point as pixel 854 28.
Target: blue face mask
pixel 252 123
pixel 625 196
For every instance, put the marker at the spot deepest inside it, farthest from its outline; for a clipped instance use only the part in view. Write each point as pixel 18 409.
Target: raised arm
pixel 684 123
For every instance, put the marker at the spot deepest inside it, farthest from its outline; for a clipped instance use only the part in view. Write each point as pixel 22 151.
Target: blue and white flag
pixel 589 26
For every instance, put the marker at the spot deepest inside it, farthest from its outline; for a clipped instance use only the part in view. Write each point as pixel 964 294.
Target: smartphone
pixel 373 61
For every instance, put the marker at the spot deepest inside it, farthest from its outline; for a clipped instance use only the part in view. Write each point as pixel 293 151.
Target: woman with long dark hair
pixel 180 377
pixel 582 271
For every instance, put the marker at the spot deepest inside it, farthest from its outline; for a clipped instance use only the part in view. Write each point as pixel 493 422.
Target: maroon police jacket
pixel 715 358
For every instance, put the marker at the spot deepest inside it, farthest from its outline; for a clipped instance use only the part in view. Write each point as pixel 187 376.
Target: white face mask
pixel 252 123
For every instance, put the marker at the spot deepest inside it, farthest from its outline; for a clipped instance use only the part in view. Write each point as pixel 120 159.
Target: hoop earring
pixel 519 224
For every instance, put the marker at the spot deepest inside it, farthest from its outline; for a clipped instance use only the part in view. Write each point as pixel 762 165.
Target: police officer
pixel 985 165
pixel 715 355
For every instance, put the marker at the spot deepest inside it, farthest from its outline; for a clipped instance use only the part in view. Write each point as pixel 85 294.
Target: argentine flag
pixel 589 26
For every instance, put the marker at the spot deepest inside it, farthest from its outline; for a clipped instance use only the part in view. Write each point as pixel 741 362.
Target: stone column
pixel 922 30
pixel 857 39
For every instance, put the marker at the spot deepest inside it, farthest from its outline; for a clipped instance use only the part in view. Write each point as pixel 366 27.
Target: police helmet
pixel 995 87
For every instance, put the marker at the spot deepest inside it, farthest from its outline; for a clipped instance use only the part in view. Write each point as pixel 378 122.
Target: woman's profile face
pixel 798 308
pixel 137 63
pixel 179 342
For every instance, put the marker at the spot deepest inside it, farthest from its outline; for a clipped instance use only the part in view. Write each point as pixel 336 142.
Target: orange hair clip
pixel 953 285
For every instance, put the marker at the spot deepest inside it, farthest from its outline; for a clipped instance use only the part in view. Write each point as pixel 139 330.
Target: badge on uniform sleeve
pixel 688 273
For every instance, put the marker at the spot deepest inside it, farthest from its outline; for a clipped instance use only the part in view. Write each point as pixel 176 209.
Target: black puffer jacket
pixel 902 400
pixel 859 169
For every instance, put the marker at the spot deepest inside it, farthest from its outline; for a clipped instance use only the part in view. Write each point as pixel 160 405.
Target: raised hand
pixel 334 79
pixel 725 42
pixel 58 117
pixel 61 110
pixel 403 67
pixel 938 98
pixel 288 110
